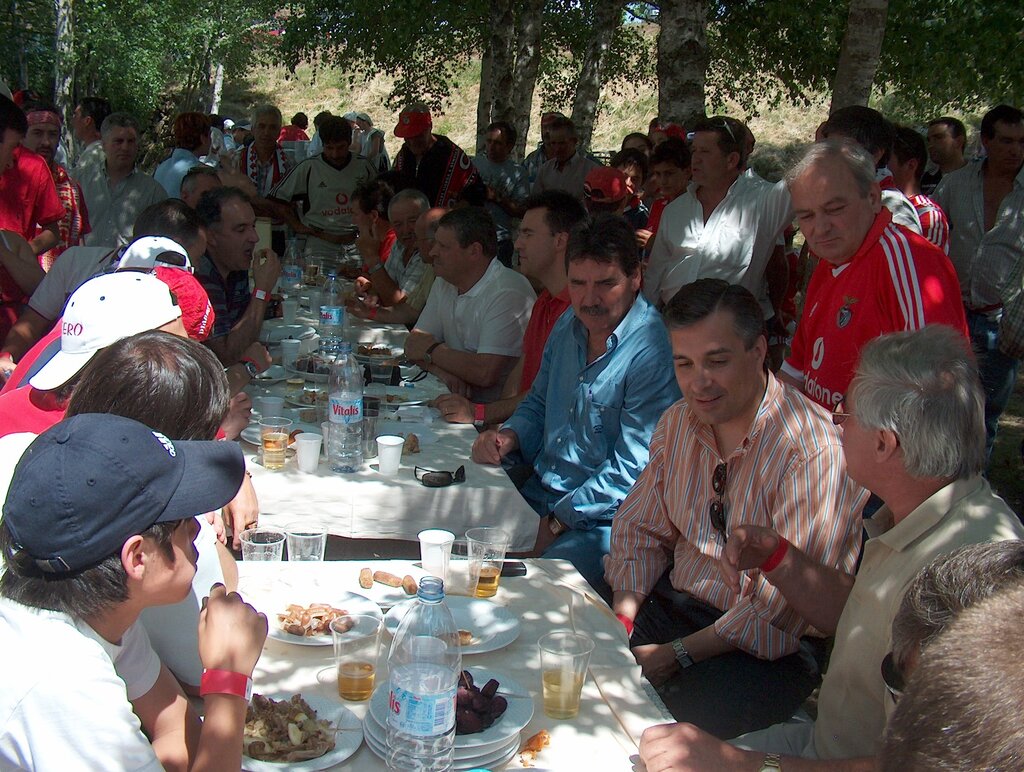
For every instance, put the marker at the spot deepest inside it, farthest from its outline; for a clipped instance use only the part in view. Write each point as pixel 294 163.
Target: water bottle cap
pixel 332 274
pixel 431 589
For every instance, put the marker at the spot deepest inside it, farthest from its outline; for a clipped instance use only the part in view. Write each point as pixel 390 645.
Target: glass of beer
pixel 487 547
pixel 356 646
pixel 274 438
pixel 564 657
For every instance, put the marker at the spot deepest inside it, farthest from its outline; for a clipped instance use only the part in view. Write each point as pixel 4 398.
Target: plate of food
pixel 483 625
pixel 312 367
pixel 275 333
pixel 370 353
pixel 273 374
pixel 300 733
pixel 309 624
pixel 309 398
pixel 474 758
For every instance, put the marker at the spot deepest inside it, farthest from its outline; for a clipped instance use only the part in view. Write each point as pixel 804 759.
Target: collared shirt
pixel 546 311
pixel 92 157
pixel 789 473
pixel 112 210
pixel 569 177
pixel 896 281
pixel 417 298
pixel 734 244
pixel 853 704
pixel 406 275
pixel 76 266
pixel 989 263
pixel 532 164
pixel 172 170
pixel 586 428
pixel 228 296
pixel 488 318
pixel 508 181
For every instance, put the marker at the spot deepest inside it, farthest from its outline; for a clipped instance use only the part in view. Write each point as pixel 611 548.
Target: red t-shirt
pixel 29 410
pixel 28 195
pixel 896 281
pixel 546 310
pixel 386 245
pixel 291 133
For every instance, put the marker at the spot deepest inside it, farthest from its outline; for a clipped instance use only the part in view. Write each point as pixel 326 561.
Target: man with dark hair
pixel 79 570
pixel 585 426
pixel 758 452
pixel 470 333
pixel 634 164
pixel 983 202
pixel 543 239
pixel 567 166
pixel 115 191
pixel 197 181
pixel 296 130
pixel 432 162
pixel 323 186
pixel 86 122
pixel 907 162
pixel 224 273
pixel 947 141
pixel 670 174
pixel 506 183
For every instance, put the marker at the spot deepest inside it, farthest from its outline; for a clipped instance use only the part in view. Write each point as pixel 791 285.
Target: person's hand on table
pixel 362 308
pixel 417 343
pixel 685 748
pixel 231 632
pixel 266 269
pixel 493 445
pixel 243 511
pixel 237 418
pixel 363 288
pixel 258 354
pixel 657 661
pixel 749 546
pixel 455 409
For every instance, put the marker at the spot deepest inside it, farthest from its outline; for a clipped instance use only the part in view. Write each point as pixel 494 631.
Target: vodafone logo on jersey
pixel 818 353
pixel 341 199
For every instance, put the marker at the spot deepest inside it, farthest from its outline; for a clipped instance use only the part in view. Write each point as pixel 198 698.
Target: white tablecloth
pixel 615 707
pixel 367 505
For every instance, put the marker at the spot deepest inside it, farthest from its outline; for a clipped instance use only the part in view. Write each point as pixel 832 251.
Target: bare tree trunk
pixel 524 75
pixel 682 60
pixel 485 100
pixel 499 43
pixel 63 62
pixel 218 87
pixel 607 18
pixel 858 56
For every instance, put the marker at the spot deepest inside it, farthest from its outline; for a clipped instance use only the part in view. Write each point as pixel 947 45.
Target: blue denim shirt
pixel 586 429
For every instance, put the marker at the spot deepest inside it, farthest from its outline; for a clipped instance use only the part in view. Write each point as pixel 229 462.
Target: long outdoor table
pixel 617 705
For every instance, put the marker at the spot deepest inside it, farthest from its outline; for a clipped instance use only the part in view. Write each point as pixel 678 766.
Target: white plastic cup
pixel 290 351
pixel 307 451
pixel 268 406
pixel 389 454
pixel 314 294
pixel 435 551
pixel 289 309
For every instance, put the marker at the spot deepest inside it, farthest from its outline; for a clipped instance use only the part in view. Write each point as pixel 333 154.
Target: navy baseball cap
pixel 92 481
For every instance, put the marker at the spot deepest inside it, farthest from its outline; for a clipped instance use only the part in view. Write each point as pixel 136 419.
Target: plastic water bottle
pixel 425 662
pixel 291 269
pixel 345 412
pixel 332 309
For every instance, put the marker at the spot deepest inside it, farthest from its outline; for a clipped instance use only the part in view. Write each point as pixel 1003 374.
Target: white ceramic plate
pixel 518 714
pixel 314 377
pixel 273 374
pixel 351 602
pixel 347 738
pixel 376 739
pixel 494 627
pixel 272 332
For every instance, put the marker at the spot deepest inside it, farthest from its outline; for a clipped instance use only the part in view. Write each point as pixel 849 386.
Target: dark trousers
pixel 997 371
pixel 733 693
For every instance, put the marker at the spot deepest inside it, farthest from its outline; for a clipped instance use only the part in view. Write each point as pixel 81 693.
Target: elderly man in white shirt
pixel 470 333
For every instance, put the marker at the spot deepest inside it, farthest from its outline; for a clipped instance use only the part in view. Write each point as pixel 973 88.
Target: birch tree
pixel 859 53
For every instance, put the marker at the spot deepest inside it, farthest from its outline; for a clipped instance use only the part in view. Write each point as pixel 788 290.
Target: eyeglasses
pixel 717 508
pixel 839 414
pixel 892 676
pixel 439 479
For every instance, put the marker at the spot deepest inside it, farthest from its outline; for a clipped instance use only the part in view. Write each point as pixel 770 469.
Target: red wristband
pixel 373 312
pixel 776 557
pixel 225 682
pixel 478 412
pixel 626 622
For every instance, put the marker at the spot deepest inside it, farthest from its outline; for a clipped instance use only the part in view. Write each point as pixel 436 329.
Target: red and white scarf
pixel 250 166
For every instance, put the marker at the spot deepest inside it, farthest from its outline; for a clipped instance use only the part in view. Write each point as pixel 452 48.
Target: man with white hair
pixel 911 393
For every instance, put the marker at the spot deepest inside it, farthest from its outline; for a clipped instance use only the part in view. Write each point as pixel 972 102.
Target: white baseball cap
pixel 147 252
pixel 101 312
pixel 228 124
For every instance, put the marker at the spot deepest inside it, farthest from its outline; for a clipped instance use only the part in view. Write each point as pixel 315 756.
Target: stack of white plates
pixel 494 747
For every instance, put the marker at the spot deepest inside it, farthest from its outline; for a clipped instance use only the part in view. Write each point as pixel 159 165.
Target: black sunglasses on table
pixel 439 479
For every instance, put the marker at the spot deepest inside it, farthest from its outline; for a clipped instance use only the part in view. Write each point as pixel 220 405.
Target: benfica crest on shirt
pixel 845 312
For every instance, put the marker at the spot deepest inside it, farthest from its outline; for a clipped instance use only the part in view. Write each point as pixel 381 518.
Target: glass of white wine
pixel 564 658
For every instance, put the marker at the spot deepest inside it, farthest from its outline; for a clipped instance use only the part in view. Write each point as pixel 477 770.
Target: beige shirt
pixel 853 704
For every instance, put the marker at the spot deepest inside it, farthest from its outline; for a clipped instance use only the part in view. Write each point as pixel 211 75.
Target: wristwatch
pixel 426 356
pixel 557 526
pixel 682 655
pixel 772 763
pixel 251 368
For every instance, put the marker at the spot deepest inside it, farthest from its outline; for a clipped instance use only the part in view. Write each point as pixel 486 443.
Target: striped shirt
pixel 789 474
pixel 934 225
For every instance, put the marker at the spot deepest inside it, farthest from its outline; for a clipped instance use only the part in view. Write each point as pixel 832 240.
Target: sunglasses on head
pixel 432 478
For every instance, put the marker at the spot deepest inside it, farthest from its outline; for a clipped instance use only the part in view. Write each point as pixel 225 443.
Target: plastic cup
pixel 306 541
pixel 307 451
pixel 435 550
pixel 290 351
pixel 262 543
pixel 269 406
pixel 274 438
pixel 564 657
pixel 356 648
pixel 389 454
pixel 463 571
pixel 289 310
pixel 382 373
pixel 487 546
pixel 371 418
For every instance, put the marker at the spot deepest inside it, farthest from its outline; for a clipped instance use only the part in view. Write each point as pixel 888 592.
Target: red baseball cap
pixel 412 123
pixel 606 185
pixel 196 311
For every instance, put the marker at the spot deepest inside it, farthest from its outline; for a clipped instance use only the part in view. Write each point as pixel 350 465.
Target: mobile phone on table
pixel 513 568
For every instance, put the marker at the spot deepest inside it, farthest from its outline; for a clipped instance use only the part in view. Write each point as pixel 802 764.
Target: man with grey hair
pixel 873 276
pixel 265 163
pixel 115 191
pixel 913 391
